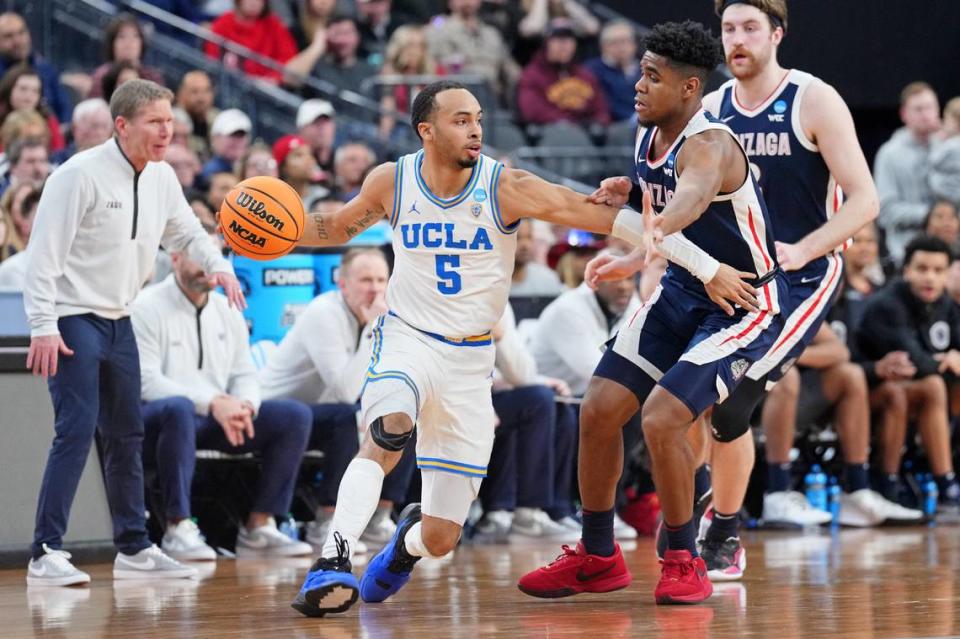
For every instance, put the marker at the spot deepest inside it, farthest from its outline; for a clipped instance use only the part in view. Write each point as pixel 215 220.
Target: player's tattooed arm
pixel 360 213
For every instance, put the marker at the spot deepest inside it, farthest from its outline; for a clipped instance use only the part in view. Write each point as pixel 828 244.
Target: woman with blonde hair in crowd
pixel 406 54
pixel 19 225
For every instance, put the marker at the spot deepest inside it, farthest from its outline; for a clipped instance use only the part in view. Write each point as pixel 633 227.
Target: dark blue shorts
pixel 683 342
pixel 811 294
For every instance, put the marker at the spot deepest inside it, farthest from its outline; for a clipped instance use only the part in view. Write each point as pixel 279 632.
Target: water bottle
pixel 833 493
pixel 289 527
pixel 815 487
pixel 930 496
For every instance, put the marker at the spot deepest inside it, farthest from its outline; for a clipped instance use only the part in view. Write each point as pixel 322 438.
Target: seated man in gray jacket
pixel 201 391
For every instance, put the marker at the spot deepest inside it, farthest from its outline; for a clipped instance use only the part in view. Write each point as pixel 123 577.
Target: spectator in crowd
pixel 200 390
pixel 182 127
pixel 81 276
pixel 16 46
pixel 298 168
pixel 21 223
pixel 463 43
pixel 13 269
pixel 895 397
pixel 376 26
pixel 6 233
pixel 572 254
pixel 220 184
pixel 252 25
pixel 915 315
pixel 351 163
pixel 185 164
pixel 118 73
pixel 317 124
pixel 529 481
pixel 21 89
pixel 617 69
pixel 201 208
pixel 555 88
pixel 91 126
pixel 825 383
pixel 229 138
pixel 406 54
pixel 310 26
pixel 21 125
pixel 943 221
pixel 123 41
pixel 945 156
pixel 531 278
pixel 258 160
pixel 328 374
pixel 195 96
pixel 29 164
pixel 902 166
pixel 340 63
pixel 567 344
pixel 539 13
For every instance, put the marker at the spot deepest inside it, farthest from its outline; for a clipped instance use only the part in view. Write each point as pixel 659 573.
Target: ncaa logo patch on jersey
pixel 738 368
pixel 480 195
pixel 940 335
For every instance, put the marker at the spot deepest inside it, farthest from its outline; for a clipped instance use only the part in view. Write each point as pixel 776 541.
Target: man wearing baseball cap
pixel 317 124
pixel 229 138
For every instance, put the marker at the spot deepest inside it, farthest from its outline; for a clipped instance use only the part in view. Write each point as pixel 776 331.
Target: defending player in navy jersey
pixel 681 353
pixel 455 212
pixel 804 153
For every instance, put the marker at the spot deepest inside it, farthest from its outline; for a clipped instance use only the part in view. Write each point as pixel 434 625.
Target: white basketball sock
pixel 413 541
pixel 357 498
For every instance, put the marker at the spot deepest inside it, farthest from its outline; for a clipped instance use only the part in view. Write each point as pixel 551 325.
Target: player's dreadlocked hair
pixel 688 45
pixel 426 102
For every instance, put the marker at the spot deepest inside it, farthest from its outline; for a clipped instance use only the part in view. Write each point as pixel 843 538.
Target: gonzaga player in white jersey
pixel 455 212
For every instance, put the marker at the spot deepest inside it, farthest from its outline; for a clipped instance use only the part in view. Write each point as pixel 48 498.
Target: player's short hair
pixel 132 96
pixel 687 45
pixel 776 10
pixel 352 254
pixel 426 102
pixel 927 244
pixel 914 88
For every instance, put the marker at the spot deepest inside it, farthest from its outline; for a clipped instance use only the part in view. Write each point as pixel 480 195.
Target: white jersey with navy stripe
pixel 453 257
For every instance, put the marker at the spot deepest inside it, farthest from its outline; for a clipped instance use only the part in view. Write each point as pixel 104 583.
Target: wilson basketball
pixel 262 218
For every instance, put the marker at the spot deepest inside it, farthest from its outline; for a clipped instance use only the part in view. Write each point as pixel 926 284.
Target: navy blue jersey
pixel 735 228
pixel 797 186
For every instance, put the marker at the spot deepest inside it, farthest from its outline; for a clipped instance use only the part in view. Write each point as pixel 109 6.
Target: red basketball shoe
pixel 683 579
pixel 574 572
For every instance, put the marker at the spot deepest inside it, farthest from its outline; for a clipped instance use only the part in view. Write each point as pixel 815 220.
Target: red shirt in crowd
pixel 548 93
pixel 268 36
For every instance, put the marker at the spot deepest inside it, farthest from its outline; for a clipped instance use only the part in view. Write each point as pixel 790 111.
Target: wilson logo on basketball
pixel 258 208
pixel 247 235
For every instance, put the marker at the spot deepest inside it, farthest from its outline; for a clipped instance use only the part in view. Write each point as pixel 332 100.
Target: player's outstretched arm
pixel 360 213
pixel 706 164
pixel 827 118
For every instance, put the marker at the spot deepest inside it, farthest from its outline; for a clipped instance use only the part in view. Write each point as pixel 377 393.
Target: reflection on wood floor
pixel 853 583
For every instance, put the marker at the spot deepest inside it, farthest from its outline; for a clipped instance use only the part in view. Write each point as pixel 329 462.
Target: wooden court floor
pixel 893 583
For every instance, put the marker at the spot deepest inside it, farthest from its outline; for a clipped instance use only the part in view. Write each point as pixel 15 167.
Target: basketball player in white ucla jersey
pixel 455 214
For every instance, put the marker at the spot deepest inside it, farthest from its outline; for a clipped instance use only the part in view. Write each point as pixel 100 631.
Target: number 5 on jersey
pixel 450 283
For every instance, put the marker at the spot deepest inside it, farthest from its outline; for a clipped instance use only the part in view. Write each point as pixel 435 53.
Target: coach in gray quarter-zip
pixel 100 221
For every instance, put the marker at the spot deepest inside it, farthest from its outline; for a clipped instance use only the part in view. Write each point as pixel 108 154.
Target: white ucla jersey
pixel 453 257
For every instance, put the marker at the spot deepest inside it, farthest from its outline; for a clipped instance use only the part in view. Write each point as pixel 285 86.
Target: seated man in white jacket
pixel 200 391
pixel 568 343
pixel 323 361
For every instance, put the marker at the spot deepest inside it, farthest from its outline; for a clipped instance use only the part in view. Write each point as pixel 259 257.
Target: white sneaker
pixel 535 523
pixel 268 540
pixel 319 529
pixel 494 527
pixel 53 568
pixel 571 523
pixel 622 530
pixel 151 563
pixel 864 508
pixel 380 530
pixel 792 507
pixel 184 542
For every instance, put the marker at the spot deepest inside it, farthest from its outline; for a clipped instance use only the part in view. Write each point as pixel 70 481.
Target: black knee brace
pixel 731 419
pixel 393 442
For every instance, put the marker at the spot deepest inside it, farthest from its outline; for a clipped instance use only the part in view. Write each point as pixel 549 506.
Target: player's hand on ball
pixel 730 287
pixel 231 286
pixel 614 191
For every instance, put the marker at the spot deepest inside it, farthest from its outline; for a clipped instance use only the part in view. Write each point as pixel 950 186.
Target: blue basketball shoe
pixel 330 585
pixel 391 568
